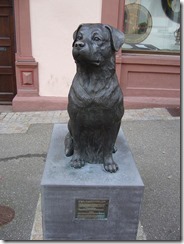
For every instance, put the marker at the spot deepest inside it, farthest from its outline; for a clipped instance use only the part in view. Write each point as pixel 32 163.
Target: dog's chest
pixel 95 108
pixel 101 93
pixel 95 116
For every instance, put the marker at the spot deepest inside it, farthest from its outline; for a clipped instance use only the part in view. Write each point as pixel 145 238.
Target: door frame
pixel 26 66
pixel 10 4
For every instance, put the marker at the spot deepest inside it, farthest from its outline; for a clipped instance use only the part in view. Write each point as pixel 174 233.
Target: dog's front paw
pixel 110 166
pixel 76 162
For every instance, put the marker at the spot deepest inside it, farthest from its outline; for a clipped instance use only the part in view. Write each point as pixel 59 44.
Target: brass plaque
pixel 91 209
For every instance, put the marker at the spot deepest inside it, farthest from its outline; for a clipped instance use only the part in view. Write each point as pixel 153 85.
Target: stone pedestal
pixel 90 203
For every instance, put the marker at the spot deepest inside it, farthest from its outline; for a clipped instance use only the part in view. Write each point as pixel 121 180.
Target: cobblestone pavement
pixel 19 122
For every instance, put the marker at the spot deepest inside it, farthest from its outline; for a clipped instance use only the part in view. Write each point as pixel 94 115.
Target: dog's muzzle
pixel 82 53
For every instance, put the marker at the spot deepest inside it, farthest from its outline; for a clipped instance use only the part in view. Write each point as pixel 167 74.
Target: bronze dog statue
pixel 95 100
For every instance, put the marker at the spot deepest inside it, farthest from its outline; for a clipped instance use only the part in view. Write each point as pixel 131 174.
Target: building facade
pixel 36 64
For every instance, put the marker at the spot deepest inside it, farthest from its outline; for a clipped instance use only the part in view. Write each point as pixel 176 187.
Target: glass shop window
pixel 152 25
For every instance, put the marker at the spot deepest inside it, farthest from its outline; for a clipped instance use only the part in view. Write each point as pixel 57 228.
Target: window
pixel 151 25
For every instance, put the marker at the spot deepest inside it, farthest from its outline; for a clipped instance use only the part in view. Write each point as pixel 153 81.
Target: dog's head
pixel 96 43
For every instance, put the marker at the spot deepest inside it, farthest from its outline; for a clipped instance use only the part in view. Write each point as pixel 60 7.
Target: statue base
pixel 90 203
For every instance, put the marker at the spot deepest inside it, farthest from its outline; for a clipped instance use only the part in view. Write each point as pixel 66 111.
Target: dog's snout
pixel 79 44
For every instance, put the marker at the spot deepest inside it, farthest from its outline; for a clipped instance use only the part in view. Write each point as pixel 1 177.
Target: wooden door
pixel 7 52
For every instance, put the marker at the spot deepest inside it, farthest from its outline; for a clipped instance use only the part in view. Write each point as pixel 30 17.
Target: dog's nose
pixel 79 44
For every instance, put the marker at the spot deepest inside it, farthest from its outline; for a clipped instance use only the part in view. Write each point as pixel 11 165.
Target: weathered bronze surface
pixel 91 209
pixel 95 98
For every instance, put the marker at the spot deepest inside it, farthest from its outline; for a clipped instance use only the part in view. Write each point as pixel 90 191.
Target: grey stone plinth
pixel 63 187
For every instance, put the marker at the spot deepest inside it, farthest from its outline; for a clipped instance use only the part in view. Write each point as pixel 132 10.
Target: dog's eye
pixel 96 38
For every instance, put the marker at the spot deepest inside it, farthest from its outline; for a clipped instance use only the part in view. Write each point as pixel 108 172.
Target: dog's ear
pixel 75 34
pixel 117 37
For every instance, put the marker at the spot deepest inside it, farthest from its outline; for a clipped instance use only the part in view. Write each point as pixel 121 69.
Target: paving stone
pixel 19 122
pixel 2 116
pixel 8 116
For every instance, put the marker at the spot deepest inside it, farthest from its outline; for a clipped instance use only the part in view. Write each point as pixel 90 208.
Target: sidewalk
pixel 153 136
pixel 19 122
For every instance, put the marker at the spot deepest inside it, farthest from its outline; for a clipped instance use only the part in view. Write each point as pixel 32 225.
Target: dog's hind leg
pixel 114 149
pixel 116 128
pixel 68 145
pixel 69 148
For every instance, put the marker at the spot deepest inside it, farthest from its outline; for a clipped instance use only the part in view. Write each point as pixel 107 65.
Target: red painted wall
pixel 147 80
